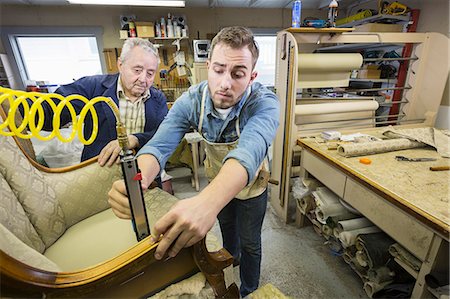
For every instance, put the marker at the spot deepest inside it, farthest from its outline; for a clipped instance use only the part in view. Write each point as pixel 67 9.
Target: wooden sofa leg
pixel 217 267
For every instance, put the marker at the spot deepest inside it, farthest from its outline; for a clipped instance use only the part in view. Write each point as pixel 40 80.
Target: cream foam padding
pixel 316 70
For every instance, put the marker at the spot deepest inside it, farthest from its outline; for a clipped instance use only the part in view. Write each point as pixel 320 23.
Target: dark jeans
pixel 240 223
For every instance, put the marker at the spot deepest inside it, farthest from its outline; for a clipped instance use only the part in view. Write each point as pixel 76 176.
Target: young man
pixel 238 120
pixel 142 107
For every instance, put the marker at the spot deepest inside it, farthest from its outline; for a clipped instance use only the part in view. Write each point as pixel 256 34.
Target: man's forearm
pixel 149 167
pixel 231 179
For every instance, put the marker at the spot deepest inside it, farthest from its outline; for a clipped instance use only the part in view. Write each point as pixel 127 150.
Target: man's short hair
pixel 236 37
pixel 130 43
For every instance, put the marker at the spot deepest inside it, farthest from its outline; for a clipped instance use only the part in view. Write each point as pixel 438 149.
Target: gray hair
pixel 130 43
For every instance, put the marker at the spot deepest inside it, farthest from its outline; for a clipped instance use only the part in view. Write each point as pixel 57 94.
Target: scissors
pixel 403 158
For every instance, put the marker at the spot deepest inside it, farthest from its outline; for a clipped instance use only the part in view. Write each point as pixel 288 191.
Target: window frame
pixel 9 36
pixel 267 32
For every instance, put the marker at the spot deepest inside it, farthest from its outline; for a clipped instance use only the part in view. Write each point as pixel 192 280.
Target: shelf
pixel 319 30
pixel 387 19
pixel 168 38
pixel 375 80
pixel 359 47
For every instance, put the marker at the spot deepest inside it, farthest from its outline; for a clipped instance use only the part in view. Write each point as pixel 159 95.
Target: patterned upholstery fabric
pixel 83 192
pixel 36 196
pixel 18 119
pixel 14 218
pixel 15 248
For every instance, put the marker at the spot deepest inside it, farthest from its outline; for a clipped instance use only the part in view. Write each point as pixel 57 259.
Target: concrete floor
pixel 295 260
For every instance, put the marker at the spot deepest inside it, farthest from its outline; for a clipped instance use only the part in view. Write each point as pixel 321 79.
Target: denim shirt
pixel 258 122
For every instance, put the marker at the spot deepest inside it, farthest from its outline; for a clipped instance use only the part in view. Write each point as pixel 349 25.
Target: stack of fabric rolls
pixel 367 250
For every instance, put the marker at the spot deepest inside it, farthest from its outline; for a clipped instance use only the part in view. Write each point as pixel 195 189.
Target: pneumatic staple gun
pixel 132 177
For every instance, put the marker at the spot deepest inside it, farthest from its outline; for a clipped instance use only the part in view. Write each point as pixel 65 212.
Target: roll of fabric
pixel 348 238
pixel 439 139
pixel 323 195
pixel 336 107
pixel 375 248
pixel 316 70
pixel 348 255
pixel 306 204
pixel 380 274
pixel 327 231
pixel 351 224
pixel 371 287
pixel 329 210
pixel 397 251
pixel 311 183
pixel 377 147
pixel 334 245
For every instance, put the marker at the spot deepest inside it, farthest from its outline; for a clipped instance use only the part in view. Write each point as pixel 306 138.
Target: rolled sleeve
pixel 258 133
pixel 170 132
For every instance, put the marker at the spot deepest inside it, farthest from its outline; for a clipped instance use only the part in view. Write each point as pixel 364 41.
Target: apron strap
pixel 202 110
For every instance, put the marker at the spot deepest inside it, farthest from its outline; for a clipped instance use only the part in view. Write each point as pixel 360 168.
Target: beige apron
pixel 216 152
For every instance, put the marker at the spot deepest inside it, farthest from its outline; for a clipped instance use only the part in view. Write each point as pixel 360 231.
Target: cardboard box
pixel 145 29
pixel 369 72
pixel 378 27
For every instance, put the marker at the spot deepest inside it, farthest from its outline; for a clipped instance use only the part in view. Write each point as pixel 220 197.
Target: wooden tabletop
pixel 411 186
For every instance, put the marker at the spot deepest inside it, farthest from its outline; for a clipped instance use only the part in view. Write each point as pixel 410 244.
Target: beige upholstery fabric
pixel 31 188
pixel 83 192
pixel 15 248
pixel 14 219
pixel 439 139
pixel 92 241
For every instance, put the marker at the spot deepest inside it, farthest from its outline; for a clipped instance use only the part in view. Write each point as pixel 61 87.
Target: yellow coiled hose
pixel 17 98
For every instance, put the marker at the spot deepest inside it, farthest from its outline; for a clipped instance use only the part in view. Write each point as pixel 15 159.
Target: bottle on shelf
pixel 158 29
pixel 332 13
pixel 132 29
pixel 169 28
pixel 297 14
pixel 163 27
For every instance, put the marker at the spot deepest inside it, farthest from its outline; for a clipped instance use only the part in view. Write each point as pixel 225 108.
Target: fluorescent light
pixel 170 3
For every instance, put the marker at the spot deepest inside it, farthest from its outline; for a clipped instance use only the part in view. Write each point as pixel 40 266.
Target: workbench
pixel 404 199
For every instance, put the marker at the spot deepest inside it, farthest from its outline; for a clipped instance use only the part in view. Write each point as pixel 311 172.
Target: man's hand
pixel 110 153
pixel 190 219
pixel 185 224
pixel 118 200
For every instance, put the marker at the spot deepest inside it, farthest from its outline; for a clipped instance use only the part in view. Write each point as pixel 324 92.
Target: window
pixel 57 55
pixel 266 61
pixel 58 60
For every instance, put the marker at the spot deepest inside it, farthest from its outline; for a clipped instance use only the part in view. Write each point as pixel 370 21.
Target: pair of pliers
pixel 403 158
